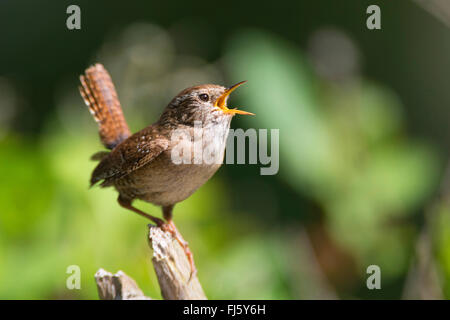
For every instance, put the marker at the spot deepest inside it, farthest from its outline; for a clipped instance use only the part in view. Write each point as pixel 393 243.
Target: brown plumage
pixel 99 94
pixel 140 166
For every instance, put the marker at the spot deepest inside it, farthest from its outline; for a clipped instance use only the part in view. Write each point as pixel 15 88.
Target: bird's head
pixel 206 103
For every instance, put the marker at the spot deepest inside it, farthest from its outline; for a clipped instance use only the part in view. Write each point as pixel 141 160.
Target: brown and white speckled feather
pixel 99 94
pixel 140 165
pixel 139 149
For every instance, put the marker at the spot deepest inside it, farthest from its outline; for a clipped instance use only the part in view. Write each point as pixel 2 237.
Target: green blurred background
pixel 364 138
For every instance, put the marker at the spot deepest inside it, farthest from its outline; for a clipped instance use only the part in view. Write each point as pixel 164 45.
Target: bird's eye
pixel 204 97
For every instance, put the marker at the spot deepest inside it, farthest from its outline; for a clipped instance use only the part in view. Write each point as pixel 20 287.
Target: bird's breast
pixel 192 159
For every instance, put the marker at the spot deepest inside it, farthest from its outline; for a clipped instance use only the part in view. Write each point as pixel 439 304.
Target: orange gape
pixel 140 166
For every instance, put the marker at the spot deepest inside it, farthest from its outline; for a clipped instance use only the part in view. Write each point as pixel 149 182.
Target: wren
pixel 140 166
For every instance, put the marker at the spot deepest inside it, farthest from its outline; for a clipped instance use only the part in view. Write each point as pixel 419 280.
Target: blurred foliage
pixel 53 220
pixel 341 144
pixel 353 187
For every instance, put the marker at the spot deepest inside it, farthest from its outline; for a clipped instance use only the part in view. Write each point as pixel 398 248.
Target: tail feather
pixel 99 94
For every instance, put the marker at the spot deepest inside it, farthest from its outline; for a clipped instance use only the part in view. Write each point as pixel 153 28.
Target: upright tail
pixel 99 94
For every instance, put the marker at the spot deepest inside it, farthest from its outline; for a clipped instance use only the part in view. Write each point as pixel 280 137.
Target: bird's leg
pixel 170 227
pixel 167 225
pixel 125 203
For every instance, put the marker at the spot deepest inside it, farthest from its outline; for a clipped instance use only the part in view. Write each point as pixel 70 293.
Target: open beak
pixel 221 102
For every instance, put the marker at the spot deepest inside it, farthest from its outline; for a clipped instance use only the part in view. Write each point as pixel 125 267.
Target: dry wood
pixel 172 270
pixel 117 286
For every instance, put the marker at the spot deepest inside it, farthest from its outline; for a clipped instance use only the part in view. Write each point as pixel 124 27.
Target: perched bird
pixel 141 166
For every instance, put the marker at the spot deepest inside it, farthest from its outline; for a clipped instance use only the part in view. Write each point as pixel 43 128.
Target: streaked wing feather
pixel 138 150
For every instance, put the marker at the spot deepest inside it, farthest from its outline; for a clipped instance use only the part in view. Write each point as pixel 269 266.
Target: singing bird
pixel 141 165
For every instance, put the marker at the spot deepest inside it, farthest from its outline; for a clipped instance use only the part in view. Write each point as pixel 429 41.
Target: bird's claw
pixel 172 229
